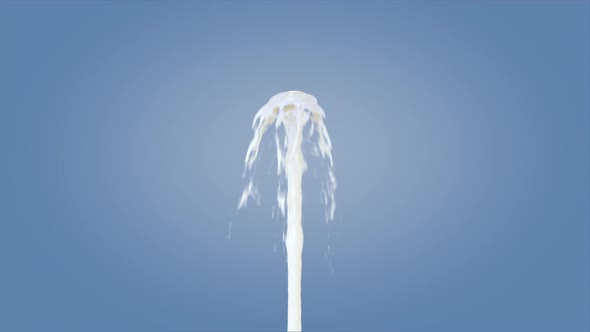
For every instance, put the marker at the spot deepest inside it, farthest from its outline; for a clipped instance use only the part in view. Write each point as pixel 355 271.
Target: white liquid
pixel 293 110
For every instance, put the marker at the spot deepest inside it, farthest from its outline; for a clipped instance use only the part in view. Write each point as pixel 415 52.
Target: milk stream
pixel 302 118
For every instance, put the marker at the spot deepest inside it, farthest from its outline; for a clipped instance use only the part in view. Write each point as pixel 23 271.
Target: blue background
pixel 461 144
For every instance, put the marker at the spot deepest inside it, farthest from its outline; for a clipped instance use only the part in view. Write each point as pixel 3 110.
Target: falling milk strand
pixel 293 110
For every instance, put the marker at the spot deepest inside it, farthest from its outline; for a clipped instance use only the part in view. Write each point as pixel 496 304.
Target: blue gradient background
pixel 461 142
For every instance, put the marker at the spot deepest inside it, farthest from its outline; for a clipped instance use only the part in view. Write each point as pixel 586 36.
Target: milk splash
pixel 293 110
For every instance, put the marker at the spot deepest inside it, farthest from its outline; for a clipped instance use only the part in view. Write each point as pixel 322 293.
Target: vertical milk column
pixel 294 120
